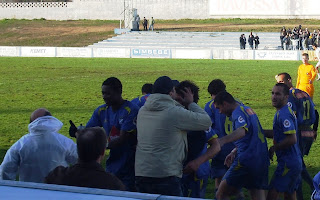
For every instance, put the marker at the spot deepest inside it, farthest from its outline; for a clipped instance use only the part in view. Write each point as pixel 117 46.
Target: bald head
pixel 39 113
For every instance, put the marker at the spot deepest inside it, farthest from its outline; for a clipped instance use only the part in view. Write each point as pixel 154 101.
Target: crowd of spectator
pixel 298 38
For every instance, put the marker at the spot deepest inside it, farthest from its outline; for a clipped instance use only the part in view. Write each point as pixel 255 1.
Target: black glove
pixel 73 129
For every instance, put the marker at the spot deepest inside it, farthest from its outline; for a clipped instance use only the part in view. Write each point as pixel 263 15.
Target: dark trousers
pixel 170 186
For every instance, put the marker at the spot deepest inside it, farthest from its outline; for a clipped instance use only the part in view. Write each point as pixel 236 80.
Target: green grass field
pixel 70 89
pixel 79 33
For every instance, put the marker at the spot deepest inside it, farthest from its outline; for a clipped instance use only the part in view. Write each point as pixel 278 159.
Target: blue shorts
pixel 193 187
pixel 218 169
pixel 315 195
pixel 286 179
pixel 250 177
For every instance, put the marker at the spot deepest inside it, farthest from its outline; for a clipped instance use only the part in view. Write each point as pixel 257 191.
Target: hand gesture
pixel 187 97
pixel 271 152
pixel 191 167
pixel 229 159
pixel 73 129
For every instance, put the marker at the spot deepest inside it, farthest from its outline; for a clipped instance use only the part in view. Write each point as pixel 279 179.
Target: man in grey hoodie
pixel 41 150
pixel 162 126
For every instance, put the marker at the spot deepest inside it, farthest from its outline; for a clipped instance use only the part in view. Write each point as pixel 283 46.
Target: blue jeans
pixel 151 27
pixel 170 186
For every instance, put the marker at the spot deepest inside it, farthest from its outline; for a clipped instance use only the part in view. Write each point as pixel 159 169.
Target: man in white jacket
pixel 317 54
pixel 41 150
pixel 162 126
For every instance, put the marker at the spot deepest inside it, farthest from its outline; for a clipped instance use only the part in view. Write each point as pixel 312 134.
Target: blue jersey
pixel 139 101
pixel 302 105
pixel 316 184
pixel 252 149
pixel 197 146
pixel 194 185
pixel 222 126
pixel 284 123
pixel 121 159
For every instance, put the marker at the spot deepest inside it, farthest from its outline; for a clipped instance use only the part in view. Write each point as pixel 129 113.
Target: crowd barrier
pixel 174 53
pixel 15 190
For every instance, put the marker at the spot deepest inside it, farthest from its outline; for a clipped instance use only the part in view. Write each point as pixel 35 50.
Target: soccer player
pixel 222 126
pixel 249 160
pixel 317 52
pixel 117 116
pixel 304 108
pixel 316 182
pixel 146 91
pixel 286 176
pixel 196 166
pixel 306 75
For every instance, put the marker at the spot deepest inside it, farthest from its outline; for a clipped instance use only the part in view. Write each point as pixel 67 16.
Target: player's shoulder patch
pixel 211 104
pixel 102 108
pixel 128 109
pixel 240 119
pixel 301 94
pixel 286 123
pixel 250 111
pixel 289 104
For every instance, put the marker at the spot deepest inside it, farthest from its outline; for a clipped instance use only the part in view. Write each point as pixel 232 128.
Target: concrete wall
pixel 302 9
pixel 162 9
pixel 105 9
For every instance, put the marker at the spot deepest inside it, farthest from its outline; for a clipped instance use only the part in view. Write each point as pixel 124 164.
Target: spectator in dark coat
pixel 256 42
pixel 88 172
pixel 250 40
pixel 243 41
pixel 145 24
pixel 283 33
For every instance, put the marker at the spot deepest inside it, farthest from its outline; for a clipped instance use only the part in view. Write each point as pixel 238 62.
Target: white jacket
pixel 317 52
pixel 37 153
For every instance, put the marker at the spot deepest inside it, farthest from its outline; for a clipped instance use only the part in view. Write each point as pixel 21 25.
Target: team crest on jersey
pixel 286 123
pixel 289 104
pixel 114 133
pixel 240 119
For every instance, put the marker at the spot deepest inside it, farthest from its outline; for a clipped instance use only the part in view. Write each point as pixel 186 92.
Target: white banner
pixel 38 51
pixel 150 53
pixel 74 52
pixel 236 54
pixel 9 51
pixel 111 53
pixel 276 55
pixel 192 53
pixel 248 7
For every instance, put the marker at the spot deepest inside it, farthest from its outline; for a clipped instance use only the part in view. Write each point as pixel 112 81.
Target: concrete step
pixel 149 39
